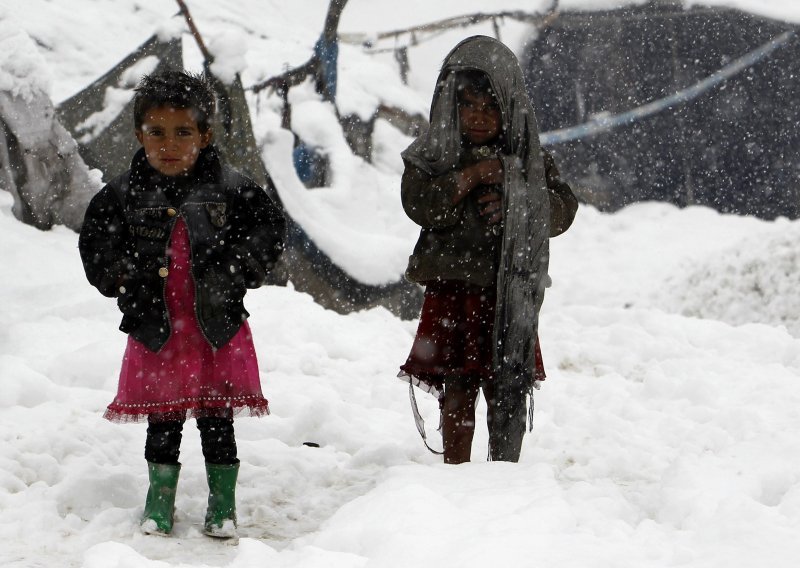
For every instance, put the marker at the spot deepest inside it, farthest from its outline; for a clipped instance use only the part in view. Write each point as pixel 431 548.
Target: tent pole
pixel 195 33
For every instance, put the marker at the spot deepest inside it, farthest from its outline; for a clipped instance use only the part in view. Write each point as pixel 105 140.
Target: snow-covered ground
pixel 660 439
pixel 665 434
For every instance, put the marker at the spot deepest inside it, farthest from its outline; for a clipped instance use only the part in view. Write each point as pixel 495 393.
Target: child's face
pixel 479 117
pixel 171 139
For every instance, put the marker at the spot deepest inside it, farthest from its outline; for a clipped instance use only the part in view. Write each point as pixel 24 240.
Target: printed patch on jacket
pixel 148 232
pixel 216 212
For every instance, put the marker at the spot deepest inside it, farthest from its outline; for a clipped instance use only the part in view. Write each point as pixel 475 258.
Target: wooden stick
pixel 195 33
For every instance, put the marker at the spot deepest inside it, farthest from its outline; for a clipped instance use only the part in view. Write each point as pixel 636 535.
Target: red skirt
pixel 454 337
pixel 187 376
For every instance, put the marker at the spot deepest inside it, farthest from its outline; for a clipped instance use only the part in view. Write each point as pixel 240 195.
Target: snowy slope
pixel 665 434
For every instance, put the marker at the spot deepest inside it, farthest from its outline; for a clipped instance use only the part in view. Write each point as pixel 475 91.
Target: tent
pixel 734 146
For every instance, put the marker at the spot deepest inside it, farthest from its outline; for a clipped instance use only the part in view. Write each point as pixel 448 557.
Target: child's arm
pixel 105 244
pixel 563 203
pixel 436 201
pixel 258 242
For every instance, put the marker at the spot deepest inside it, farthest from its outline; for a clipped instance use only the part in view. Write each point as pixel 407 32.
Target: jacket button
pixel 163 272
pixel 171 212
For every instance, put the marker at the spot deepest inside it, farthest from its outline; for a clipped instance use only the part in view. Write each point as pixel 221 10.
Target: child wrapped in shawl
pixel 488 199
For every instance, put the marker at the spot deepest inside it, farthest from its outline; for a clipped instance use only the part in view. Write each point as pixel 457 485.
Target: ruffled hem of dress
pixel 189 408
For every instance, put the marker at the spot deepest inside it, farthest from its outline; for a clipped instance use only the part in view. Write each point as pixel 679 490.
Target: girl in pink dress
pixel 177 240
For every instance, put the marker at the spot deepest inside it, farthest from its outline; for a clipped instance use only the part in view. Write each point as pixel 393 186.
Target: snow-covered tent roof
pixel 100 116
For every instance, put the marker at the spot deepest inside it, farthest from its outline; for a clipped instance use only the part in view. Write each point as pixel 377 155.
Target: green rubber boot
pixel 221 513
pixel 159 508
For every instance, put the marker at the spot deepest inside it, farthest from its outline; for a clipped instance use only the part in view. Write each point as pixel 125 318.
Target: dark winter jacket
pixel 456 243
pixel 235 231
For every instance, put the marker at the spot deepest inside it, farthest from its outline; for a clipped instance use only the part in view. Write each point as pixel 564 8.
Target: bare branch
pixel 462 21
pixel 290 78
pixel 335 9
pixel 311 67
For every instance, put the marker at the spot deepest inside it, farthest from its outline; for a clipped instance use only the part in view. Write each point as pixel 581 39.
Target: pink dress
pixel 187 377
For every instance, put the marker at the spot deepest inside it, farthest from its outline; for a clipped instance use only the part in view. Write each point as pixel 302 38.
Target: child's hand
pixel 489 171
pixel 494 207
pixel 485 172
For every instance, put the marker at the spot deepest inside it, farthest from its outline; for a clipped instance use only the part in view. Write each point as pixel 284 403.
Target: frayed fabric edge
pixel 420 384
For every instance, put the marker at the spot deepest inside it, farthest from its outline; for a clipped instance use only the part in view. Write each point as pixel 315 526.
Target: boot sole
pixel 154 531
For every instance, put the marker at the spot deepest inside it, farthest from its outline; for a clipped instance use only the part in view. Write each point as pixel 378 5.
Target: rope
pixel 602 123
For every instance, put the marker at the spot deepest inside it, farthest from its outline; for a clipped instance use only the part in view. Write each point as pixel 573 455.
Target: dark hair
pixel 474 81
pixel 177 89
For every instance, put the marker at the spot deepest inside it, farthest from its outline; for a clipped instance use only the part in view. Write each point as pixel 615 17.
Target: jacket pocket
pixel 127 301
pixel 207 215
pixel 219 292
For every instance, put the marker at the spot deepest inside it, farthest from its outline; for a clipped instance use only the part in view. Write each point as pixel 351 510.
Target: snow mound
pixel 23 71
pixel 750 282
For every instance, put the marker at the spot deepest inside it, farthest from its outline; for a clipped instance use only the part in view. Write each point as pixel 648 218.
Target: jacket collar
pixel 207 170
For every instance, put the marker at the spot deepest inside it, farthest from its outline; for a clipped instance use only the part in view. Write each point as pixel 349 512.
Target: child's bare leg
pixel 458 417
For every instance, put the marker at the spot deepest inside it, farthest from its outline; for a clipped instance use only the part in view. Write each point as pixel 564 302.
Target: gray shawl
pixel 522 274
